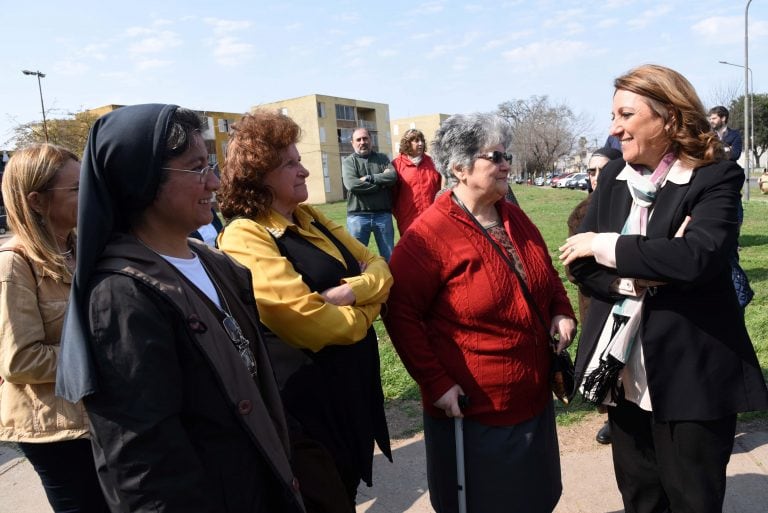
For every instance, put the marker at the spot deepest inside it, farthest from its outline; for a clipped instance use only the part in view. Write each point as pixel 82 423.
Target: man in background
pixel 369 177
pixel 718 120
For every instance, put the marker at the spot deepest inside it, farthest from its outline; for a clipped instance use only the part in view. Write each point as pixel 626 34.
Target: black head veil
pixel 119 178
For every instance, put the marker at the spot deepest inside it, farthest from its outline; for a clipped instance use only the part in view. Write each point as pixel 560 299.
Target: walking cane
pixel 458 429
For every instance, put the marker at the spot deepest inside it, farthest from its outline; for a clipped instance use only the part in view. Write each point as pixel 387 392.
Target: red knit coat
pixel 456 313
pixel 414 190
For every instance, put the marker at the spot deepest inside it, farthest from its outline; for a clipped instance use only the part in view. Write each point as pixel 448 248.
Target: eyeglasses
pixel 202 172
pixel 73 188
pixel 495 156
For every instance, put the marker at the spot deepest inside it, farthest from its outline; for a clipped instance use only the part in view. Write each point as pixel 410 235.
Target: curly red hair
pixel 255 143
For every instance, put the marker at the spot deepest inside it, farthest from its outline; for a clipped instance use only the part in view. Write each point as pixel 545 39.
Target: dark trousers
pixel 508 469
pixel 68 474
pixel 676 467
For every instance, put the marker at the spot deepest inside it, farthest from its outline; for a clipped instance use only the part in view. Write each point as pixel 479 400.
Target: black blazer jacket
pixel 699 360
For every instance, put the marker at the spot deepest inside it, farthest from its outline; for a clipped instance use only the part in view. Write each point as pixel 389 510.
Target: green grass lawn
pixel 549 208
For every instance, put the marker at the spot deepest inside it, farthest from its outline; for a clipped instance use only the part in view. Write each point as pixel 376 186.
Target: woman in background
pixel 417 180
pixel 40 187
pixel 318 291
pixel 664 345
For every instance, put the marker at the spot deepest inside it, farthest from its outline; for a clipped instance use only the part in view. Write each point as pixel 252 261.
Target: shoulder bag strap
pixel 504 256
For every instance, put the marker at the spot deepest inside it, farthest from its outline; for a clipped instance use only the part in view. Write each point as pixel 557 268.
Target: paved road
pixel 401 487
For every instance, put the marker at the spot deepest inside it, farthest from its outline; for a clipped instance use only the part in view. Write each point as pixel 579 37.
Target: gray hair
pixel 462 136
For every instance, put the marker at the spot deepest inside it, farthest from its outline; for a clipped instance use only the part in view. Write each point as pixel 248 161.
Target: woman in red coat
pixel 459 319
pixel 417 180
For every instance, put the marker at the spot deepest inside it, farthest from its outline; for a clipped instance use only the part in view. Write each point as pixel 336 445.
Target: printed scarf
pixel 626 313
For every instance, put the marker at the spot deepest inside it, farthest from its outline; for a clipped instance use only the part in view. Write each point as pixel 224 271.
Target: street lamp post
pixel 39 75
pixel 751 123
pixel 746 90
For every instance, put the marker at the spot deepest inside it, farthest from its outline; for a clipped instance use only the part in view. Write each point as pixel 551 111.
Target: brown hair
pixel 32 169
pixel 254 151
pixel 671 96
pixel 412 134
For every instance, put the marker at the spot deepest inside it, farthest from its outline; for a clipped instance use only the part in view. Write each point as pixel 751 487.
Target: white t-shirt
pixel 209 234
pixel 193 269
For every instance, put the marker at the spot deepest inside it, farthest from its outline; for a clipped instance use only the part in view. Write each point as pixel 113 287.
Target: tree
pixel 760 124
pixel 71 132
pixel 542 133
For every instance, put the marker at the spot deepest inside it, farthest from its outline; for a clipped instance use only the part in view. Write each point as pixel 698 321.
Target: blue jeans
pixel 360 226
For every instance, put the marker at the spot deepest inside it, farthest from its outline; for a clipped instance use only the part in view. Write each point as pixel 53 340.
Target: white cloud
pixel 475 8
pixel 428 8
pixel 230 51
pixel 356 48
pixel 503 41
pixel 223 27
pixel 419 36
pixel 387 52
pixel 540 55
pixel 607 23
pixel 147 64
pixel 349 17
pixel 442 49
pixel 155 42
pixel 558 18
pixel 648 16
pixel 618 4
pixel 460 63
pixel 71 68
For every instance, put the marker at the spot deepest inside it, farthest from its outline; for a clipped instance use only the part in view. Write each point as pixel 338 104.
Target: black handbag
pixel 562 372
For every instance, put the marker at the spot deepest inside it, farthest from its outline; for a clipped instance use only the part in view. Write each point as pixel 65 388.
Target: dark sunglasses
pixel 495 156
pixel 241 343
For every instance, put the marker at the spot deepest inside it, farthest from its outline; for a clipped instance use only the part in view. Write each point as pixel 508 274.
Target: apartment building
pixel 428 124
pixel 327 123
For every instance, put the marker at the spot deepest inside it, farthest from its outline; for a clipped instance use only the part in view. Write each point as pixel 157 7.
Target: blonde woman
pixel 40 187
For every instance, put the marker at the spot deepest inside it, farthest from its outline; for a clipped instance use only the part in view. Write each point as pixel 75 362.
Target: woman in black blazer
pixel 664 345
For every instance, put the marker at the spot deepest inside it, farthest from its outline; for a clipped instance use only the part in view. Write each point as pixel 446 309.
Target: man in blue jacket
pixel 718 120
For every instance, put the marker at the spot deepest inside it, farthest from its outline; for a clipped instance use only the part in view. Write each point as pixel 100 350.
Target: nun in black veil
pixel 162 337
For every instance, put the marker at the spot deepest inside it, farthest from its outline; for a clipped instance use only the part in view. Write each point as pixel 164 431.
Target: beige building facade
pixel 327 123
pixel 428 124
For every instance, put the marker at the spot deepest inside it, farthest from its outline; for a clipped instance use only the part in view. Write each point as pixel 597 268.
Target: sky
pixel 419 57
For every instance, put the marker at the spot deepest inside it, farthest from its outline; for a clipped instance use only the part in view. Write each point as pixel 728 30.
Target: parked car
pixel 539 180
pixel 578 181
pixel 559 181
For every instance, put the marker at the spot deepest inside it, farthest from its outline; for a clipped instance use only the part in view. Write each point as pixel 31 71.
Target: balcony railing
pixel 370 125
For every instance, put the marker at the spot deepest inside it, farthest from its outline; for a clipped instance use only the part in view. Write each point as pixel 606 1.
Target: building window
pixel 345 135
pixel 345 112
pixel 326 173
pixel 322 134
pixel 284 111
pixel 223 126
pixel 396 130
pixel 320 109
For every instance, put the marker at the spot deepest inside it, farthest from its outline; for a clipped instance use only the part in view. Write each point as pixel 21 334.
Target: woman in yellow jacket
pixel 40 188
pixel 318 291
